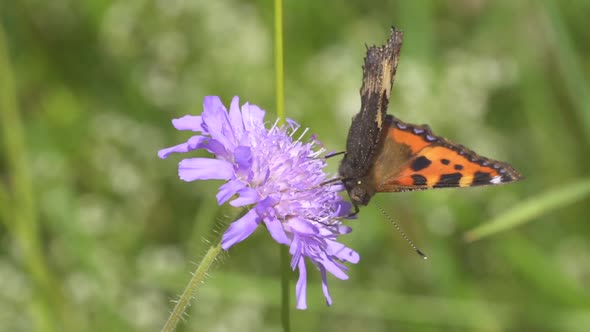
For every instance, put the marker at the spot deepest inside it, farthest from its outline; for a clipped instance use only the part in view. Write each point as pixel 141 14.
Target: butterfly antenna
pixel 410 242
pixel 327 182
pixel 334 154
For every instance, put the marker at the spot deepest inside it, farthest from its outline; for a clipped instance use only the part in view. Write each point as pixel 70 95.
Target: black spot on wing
pixel 507 178
pixel 445 161
pixel 449 180
pixel 419 180
pixel 420 163
pixel 481 178
pixel 458 167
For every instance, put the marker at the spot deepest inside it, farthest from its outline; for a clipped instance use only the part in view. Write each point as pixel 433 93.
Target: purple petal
pixel 192 144
pixel 240 229
pixel 252 116
pixel 205 169
pixel 325 286
pixel 331 266
pixel 213 104
pixel 264 205
pixel 334 231
pixel 338 187
pixel 216 148
pixel 189 122
pixel 301 287
pixel 276 230
pixel 342 207
pixel 235 118
pixel 243 157
pixel 295 251
pixel 247 196
pixel 302 226
pixel 180 148
pixel 343 229
pixel 217 122
pixel 342 252
pixel 228 189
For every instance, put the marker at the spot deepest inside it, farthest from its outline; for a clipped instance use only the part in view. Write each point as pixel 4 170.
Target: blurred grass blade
pixel 4 203
pixel 533 208
pixel 49 309
pixel 569 65
pixel 19 216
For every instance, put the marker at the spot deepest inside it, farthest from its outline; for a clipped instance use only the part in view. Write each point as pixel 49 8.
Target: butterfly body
pixel 385 154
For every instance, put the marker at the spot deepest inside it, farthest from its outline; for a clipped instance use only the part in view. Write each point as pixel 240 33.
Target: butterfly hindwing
pixel 413 158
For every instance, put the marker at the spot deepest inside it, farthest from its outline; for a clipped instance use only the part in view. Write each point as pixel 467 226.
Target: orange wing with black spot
pixel 413 158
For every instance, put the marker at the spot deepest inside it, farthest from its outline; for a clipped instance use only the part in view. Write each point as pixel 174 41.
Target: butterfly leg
pixel 334 154
pixel 356 211
pixel 352 214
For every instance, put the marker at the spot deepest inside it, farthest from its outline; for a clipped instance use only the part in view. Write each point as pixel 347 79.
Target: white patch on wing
pixel 496 179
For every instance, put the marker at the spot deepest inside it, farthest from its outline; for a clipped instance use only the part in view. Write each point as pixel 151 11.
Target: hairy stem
pixel 193 285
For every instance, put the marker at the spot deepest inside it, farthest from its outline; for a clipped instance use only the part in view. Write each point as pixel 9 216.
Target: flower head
pixel 277 177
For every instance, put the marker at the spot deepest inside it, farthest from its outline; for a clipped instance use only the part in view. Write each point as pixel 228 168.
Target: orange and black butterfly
pixel 385 154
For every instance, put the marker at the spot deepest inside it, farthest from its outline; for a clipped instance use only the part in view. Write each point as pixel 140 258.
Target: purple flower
pixel 277 177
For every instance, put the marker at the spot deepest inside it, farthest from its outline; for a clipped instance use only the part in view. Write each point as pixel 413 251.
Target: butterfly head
pixel 360 191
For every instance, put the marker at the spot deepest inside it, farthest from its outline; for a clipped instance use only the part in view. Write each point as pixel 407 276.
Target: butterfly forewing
pixel 365 131
pixel 413 158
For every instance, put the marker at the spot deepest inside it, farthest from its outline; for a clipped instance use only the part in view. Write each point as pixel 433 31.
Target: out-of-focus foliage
pixel 97 234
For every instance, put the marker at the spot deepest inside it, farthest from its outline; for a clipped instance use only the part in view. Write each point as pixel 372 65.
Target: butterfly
pixel 385 154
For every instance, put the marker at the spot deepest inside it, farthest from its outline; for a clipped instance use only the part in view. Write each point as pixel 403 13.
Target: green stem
pixel 279 68
pixel 280 91
pixel 196 281
pixel 285 289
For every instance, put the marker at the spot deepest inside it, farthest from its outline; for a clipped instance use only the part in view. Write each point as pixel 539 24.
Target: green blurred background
pixel 98 234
